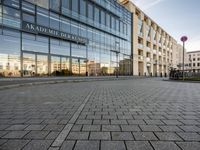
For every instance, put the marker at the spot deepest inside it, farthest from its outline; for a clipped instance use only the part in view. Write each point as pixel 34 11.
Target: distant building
pixel 154 50
pixel 192 60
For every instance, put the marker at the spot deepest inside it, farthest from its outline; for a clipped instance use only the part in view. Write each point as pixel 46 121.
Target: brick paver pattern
pixel 135 114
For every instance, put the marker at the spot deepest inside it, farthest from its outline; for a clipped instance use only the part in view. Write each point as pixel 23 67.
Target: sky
pixel 176 17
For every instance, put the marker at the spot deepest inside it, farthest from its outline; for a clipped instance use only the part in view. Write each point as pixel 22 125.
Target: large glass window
pixel 65 6
pixel 83 7
pixel 0 14
pixel 96 15
pixel 90 11
pixel 140 26
pixel 12 3
pixel 59 47
pixel 29 66
pixel 65 25
pixel 34 43
pixel 75 5
pixel 42 65
pixel 108 20
pixel 11 17
pixel 42 3
pixel 74 28
pixel 10 54
pixel 113 23
pixel 54 21
pixel 55 65
pixel 28 18
pixel 28 7
pixel 103 17
pixel 42 17
pixel 65 66
pixel 55 5
pixel 78 50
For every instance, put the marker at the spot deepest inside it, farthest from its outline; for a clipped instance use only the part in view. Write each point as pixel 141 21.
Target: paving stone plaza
pixel 134 114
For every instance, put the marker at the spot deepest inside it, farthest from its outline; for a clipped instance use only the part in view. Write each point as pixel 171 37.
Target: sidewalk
pixel 16 82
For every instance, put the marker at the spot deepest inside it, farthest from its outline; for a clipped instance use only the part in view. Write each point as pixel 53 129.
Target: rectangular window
pixel 108 20
pixel 65 25
pixel 78 50
pixel 90 11
pixel 83 7
pixel 11 17
pixel 96 14
pixel 59 47
pixel 117 25
pixel 0 14
pixel 54 21
pixel 27 7
pixel 103 17
pixel 10 55
pixel 75 5
pixel 34 43
pixel 113 23
pixel 28 18
pixel 65 6
pixel 42 17
pixel 12 3
pixel 55 5
pixel 194 64
pixel 43 3
pixel 74 28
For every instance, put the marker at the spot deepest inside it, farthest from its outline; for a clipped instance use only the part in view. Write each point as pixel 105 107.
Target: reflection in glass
pixel 42 65
pixel 42 17
pixel 29 66
pixel 9 65
pixel 55 5
pixel 82 67
pixel 11 17
pixel 55 66
pixel 75 67
pixel 60 47
pixel 9 56
pixel 65 66
pixel 35 44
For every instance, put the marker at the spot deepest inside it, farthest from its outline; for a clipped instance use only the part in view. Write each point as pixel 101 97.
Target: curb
pixel 64 81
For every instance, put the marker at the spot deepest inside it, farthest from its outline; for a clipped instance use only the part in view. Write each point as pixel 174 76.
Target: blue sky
pixel 177 17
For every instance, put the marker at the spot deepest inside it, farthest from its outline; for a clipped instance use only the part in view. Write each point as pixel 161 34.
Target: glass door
pixel 29 64
pixel 42 65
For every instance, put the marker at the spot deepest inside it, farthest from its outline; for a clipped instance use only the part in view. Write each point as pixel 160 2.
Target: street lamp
pixel 184 39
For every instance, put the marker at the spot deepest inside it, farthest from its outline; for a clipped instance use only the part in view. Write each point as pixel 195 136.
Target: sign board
pixel 26 26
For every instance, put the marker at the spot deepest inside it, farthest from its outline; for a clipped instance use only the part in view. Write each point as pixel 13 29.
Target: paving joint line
pixel 64 133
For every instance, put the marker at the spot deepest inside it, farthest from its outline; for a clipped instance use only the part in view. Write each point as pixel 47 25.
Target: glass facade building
pixel 64 37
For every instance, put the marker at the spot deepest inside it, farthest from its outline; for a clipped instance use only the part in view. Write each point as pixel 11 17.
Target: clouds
pixel 146 4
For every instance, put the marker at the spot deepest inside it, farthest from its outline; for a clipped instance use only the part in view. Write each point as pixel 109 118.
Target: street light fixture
pixel 184 39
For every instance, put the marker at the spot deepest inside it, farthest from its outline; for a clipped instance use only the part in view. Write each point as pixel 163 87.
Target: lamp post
pixel 184 39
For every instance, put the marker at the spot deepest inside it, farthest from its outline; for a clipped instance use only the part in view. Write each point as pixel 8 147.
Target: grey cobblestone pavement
pixel 135 114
